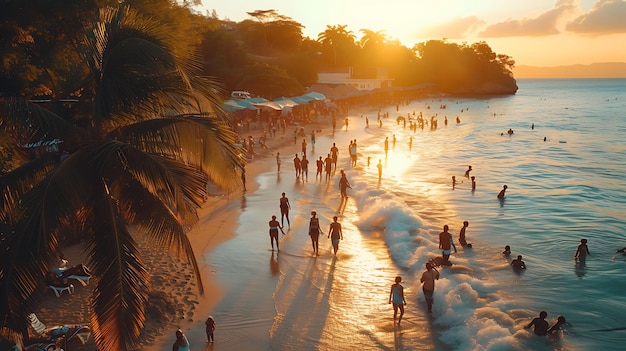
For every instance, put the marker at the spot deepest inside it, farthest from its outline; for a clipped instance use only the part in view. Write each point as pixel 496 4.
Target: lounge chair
pixel 46 338
pixel 58 285
pixel 59 289
pixel 80 272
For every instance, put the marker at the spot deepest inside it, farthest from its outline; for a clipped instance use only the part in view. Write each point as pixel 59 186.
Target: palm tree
pixel 145 138
pixel 338 38
pixel 372 39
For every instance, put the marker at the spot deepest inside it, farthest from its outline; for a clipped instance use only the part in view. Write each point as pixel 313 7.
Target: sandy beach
pixel 175 302
pixel 262 299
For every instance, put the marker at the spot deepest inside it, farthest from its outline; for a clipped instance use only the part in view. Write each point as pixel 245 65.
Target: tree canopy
pixel 135 148
pixel 270 38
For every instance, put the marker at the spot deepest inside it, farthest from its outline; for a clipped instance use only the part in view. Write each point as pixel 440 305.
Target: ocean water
pixel 561 189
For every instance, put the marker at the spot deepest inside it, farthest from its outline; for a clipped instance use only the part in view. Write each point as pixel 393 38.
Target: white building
pixel 346 77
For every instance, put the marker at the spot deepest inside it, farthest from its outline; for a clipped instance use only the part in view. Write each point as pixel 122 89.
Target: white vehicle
pixel 240 95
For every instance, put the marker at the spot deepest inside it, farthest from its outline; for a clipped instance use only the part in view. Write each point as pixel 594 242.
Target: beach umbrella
pixel 316 96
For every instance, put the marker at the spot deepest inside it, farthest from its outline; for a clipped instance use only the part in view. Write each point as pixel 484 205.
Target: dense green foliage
pixel 128 156
pixel 272 39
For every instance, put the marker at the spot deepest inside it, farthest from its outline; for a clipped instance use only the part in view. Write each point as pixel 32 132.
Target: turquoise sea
pixel 567 187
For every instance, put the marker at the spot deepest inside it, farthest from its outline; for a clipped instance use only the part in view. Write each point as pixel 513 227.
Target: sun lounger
pixel 59 289
pixel 46 338
pixel 80 272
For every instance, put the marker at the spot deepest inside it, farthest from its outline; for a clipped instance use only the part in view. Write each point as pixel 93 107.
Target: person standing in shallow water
pixel 582 251
pixel 297 166
pixel 314 232
pixel 210 329
pixel 517 263
pixel 462 240
pixel 445 244
pixel 396 296
pixel 335 233
pixel 274 227
pixel 284 210
pixel 502 192
pixel 428 284
pixel 344 184
pixel 540 324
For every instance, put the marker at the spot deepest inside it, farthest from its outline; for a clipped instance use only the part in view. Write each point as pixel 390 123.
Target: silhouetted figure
pixel 502 192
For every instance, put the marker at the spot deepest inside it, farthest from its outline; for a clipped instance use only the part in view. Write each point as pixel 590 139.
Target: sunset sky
pixel 533 32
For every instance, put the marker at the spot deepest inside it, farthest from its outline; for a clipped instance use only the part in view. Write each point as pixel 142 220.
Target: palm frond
pixel 121 294
pixel 156 222
pixel 14 184
pixel 27 122
pixel 200 139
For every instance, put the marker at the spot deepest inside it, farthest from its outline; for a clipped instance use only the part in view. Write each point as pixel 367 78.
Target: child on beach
pixel 210 328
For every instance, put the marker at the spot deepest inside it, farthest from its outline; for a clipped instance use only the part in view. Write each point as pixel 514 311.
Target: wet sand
pixel 264 300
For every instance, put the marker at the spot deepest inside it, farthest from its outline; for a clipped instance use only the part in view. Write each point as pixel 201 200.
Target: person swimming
pixel 507 251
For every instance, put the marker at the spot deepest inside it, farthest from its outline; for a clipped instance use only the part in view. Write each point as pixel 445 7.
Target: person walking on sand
pixel 353 152
pixel 540 324
pixel 396 296
pixel 210 329
pixel 445 244
pixel 428 284
pixel 285 206
pixel 344 184
pixel 304 164
pixel 328 164
pixel 278 162
pixel 335 233
pixel 380 170
pixel 297 165
pixel 314 232
pixel 386 145
pixel 501 193
pixel 334 154
pixel 582 251
pixel 304 147
pixel 320 168
pixel 181 343
pixel 274 227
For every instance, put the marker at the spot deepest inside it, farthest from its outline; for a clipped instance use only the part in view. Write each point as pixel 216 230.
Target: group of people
pixel 446 243
pixel 335 233
pixel 540 325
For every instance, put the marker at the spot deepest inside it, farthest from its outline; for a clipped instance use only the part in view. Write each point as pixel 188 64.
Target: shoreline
pixel 175 301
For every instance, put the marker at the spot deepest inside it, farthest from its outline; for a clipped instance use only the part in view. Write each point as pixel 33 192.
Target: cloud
pixel 605 17
pixel 457 28
pixel 542 25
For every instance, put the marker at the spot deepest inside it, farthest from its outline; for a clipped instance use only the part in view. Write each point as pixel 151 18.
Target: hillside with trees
pixel 246 54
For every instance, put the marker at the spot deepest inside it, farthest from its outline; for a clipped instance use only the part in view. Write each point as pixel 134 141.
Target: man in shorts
pixel 335 234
